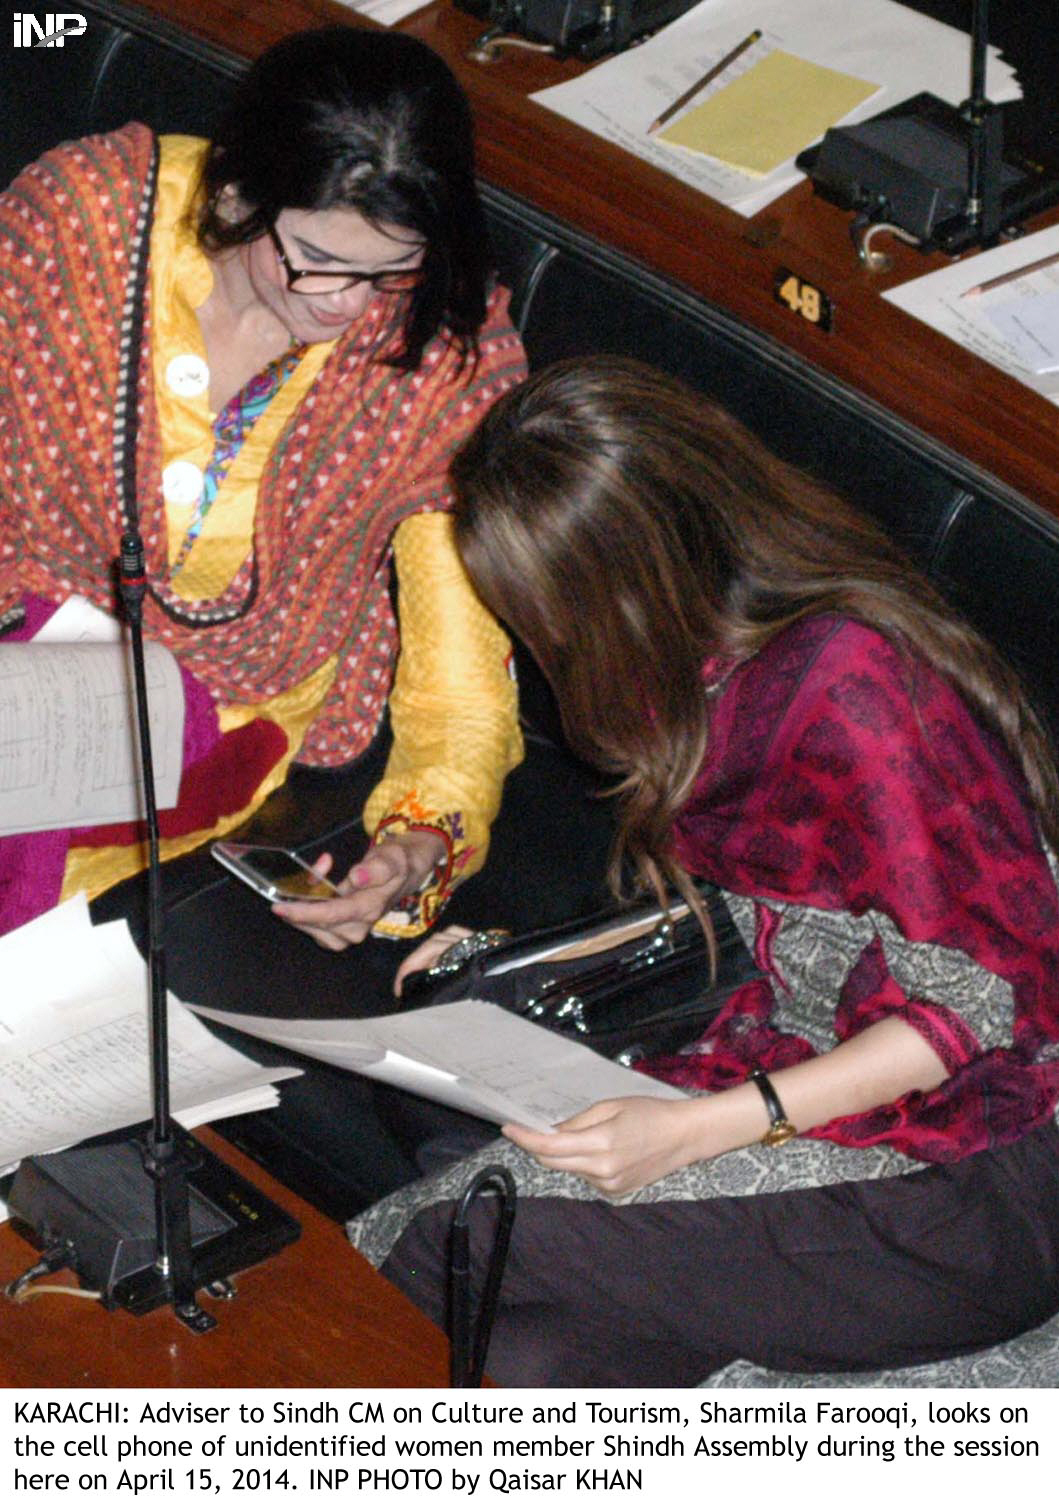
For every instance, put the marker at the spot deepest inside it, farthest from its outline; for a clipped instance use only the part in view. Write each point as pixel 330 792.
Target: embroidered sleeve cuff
pixel 419 910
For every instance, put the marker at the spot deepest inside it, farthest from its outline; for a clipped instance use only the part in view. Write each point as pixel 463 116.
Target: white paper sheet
pixel 77 621
pixel 468 1054
pixel 83 1070
pixel 1029 322
pixel 73 1041
pixel 60 958
pixel 385 12
pixel 939 300
pixel 68 754
pixel 901 50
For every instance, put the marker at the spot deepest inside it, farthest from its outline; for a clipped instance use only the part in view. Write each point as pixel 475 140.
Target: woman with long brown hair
pixel 866 1171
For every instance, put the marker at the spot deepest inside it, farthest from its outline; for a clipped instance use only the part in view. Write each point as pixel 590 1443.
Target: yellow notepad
pixel 769 113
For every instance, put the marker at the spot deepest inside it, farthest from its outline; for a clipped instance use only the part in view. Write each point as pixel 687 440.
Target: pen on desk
pixel 1009 277
pixel 707 78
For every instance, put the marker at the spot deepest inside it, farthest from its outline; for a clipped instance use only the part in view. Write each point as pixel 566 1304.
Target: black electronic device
pixel 910 167
pixel 938 175
pixel 144 1220
pixel 573 28
pixel 99 1199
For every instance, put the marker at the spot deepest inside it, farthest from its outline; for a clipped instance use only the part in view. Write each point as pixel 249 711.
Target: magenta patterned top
pixel 880 856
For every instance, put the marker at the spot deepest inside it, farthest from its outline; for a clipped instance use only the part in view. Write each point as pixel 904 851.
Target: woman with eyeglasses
pixel 866 1171
pixel 321 330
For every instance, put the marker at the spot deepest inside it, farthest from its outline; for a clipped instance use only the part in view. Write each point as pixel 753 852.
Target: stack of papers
pixel 882 53
pixel 73 1041
pixel 1015 326
pixel 763 118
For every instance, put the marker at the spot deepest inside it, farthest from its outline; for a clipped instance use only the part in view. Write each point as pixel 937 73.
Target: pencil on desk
pixel 707 78
pixel 1009 277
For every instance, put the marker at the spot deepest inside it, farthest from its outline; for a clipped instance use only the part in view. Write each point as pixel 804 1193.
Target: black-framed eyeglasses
pixel 308 281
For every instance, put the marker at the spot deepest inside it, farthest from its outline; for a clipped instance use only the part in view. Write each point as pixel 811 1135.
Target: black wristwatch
pixel 780 1130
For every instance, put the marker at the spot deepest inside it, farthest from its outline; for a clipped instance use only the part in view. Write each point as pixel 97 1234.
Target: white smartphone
pixel 276 874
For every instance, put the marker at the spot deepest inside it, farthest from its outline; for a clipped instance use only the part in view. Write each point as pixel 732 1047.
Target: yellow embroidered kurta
pixel 453 700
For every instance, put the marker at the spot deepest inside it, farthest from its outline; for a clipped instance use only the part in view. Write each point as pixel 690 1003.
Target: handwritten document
pixel 73 1041
pixel 940 300
pixel 1030 321
pixel 68 754
pixel 469 1054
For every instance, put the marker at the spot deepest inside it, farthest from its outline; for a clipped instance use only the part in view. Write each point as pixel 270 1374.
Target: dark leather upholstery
pixel 991 551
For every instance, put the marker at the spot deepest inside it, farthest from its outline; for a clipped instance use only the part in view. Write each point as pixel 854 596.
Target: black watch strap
pixel 780 1129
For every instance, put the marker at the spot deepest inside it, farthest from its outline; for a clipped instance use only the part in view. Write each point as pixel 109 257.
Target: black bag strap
pixel 469 1340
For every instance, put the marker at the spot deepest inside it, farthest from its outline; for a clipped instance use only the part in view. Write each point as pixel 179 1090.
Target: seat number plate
pixel 802 298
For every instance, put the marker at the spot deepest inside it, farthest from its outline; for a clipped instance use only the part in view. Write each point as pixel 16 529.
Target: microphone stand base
pixel 99 1200
pixel 909 167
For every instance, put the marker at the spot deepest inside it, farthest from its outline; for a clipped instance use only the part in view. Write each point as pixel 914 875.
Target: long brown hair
pixel 627 529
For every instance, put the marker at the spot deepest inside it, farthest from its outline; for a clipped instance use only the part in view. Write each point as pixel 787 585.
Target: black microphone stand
pixel 147 1219
pixel 985 148
pixel 164 1160
pixel 89 1206
pixel 934 175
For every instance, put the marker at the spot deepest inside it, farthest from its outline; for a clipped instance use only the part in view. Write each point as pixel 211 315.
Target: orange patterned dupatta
pixel 368 446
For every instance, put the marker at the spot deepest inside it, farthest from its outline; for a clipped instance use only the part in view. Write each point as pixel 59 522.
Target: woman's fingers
pixel 428 953
pixel 388 871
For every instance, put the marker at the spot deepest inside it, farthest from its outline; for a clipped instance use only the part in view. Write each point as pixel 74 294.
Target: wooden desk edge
pixel 314 1316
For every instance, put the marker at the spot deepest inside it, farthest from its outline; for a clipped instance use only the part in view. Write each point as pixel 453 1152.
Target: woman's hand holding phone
pixel 388 871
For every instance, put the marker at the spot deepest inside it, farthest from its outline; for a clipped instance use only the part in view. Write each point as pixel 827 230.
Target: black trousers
pixel 849 1277
pixel 336 1139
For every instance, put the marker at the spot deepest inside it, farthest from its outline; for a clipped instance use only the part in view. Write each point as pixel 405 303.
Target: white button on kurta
pixel 182 482
pixel 187 375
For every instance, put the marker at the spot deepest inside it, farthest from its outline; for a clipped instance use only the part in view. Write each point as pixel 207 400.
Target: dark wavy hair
pixel 626 529
pixel 370 121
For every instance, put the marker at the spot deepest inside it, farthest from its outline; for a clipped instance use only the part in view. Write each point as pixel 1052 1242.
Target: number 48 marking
pixel 802 298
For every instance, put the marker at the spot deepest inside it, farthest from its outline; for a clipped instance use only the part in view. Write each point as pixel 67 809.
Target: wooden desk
pixel 314 1316
pixel 951 395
